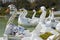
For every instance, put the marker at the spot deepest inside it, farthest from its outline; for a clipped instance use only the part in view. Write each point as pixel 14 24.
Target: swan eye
pixel 21 10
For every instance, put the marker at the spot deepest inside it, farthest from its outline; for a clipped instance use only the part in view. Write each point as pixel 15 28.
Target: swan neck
pixel 43 15
pixel 34 15
pixel 11 19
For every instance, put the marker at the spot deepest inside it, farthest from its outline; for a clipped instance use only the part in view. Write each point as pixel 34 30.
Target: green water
pixel 3 22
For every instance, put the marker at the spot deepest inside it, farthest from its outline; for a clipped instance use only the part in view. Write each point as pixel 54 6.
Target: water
pixel 2 25
pixel 3 22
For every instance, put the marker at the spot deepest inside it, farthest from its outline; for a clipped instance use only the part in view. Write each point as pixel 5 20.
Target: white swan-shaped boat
pixel 10 24
pixel 12 29
pixel 22 20
pixel 34 20
pixel 29 22
pixel 36 32
pixel 41 28
pixel 51 21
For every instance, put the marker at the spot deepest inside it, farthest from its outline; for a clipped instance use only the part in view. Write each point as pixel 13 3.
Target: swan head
pixel 52 8
pixel 22 10
pixel 34 10
pixel 42 8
